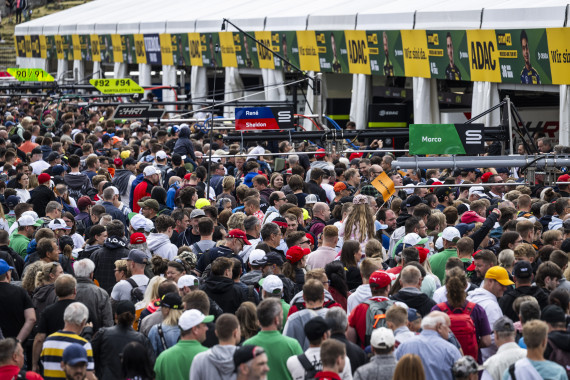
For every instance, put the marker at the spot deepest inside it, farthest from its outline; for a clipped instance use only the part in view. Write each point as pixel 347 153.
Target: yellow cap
pixel 202 202
pixel 306 215
pixel 500 274
pixel 125 154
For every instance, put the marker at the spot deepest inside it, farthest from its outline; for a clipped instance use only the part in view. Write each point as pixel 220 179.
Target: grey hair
pixel 250 222
pixel 433 319
pixel 108 194
pixel 293 159
pixel 268 229
pixel 76 313
pixel 267 310
pixel 83 268
pixel 319 206
pixel 52 206
pixel 336 317
pixel 506 258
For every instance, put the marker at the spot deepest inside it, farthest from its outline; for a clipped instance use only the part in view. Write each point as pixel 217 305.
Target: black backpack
pixel 137 293
pixel 310 370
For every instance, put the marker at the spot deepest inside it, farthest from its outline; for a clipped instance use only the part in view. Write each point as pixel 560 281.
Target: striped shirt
pixel 52 353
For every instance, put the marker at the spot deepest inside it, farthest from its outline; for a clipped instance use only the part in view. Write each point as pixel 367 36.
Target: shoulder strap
pixel 196 248
pixel 469 308
pixel 443 307
pixel 161 335
pixel 305 362
pixel 132 282
pixel 512 371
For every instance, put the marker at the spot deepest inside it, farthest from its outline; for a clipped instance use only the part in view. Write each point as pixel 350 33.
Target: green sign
pixel 446 139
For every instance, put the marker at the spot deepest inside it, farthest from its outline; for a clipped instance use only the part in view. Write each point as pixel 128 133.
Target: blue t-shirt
pixel 546 369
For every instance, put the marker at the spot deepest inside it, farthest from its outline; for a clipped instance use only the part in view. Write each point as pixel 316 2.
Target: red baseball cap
pixel 320 155
pixel 84 201
pixel 138 238
pixel 380 279
pixel 238 234
pixel 187 176
pixel 485 177
pixel 43 178
pixel 310 237
pixel 118 162
pixel 296 253
pixel 471 217
pixel 423 253
pixel 564 178
pixel 471 267
pixel 355 155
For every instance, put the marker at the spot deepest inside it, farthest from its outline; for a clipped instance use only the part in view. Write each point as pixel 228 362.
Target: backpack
pixel 375 316
pixel 137 294
pixel 463 327
pixel 310 370
pixel 560 356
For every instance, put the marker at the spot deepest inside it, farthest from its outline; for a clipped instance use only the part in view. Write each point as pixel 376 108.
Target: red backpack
pixel 463 327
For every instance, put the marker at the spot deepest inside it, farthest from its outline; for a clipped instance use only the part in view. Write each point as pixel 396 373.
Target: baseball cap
pixel 296 253
pixel 477 190
pixel 320 153
pixel 161 155
pixel 280 221
pixel 423 252
pixel 74 354
pixel 382 338
pixel 125 306
pixel 246 353
pixel 380 279
pixel 57 169
pixel 37 150
pixel 464 366
pixel 311 199
pixel 193 317
pixel 202 202
pixel 43 178
pixel 340 186
pixel 58 224
pixel 138 222
pixel 137 256
pixel 115 190
pixel 485 177
pixel 188 280
pixel 170 300
pixel 84 201
pixel 238 234
pixel 256 255
pixel 53 156
pixel 471 217
pixel 503 170
pixel 271 258
pixel 414 239
pixel 12 201
pixel 553 314
pixel 504 323
pixel 463 228
pixel 369 190
pixel 138 238
pixel 442 192
pixel 522 269
pixel 150 203
pixel 118 162
pixel 413 314
pixel 451 234
pixel 28 220
pixel 272 284
pixel 564 178
pixel 150 170
pixel 500 275
pixel 413 201
pixel 4 267
pixel 197 213
pixel 316 327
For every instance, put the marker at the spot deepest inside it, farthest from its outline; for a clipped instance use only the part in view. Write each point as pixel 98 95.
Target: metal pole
pixel 481 161
pixel 511 150
pixel 463 185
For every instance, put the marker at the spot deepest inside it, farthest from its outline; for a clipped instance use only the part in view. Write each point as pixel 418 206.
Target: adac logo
pixel 482 55
pixel 356 52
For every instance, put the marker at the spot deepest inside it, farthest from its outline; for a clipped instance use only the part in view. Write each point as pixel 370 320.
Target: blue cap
pixel 9 123
pixel 57 169
pixel 464 227
pixel 74 354
pixel 4 267
pixel 12 201
pixel 413 314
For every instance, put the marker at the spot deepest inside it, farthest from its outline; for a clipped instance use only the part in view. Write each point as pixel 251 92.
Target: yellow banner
pixel 265 56
pixel 483 56
pixel 59 46
pixel 416 62
pixel 116 86
pixel 95 51
pixel 228 49
pixel 308 56
pixel 358 54
pixel 35 40
pixel 117 48
pixel 43 46
pixel 28 46
pixel 30 75
pixel 140 51
pixel 166 49
pixel 195 49
pixel 76 47
pixel 559 56
pixel 384 185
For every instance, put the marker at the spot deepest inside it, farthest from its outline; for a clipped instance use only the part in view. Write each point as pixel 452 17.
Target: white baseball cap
pixel 149 225
pixel 150 170
pixel 451 234
pixel 33 214
pixel 193 317
pixel 58 224
pixel 115 190
pixel 256 254
pixel 138 221
pixel 382 338
pixel 188 280
pixel 272 284
pixel 477 190
pixel 28 220
pixel 414 239
pixel 161 154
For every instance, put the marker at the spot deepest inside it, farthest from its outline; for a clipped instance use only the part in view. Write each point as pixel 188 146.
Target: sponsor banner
pixel 166 49
pixel 152 49
pixel 357 49
pixel 76 48
pixel 255 119
pixel 228 49
pixel 129 51
pixel 388 116
pixel 333 52
pixel 386 53
pixel 264 55
pixel 106 48
pixel 35 45
pixel 117 45
pixel 384 185
pixel 210 57
pixel 448 55
pixel 43 46
pixel 483 56
pixel 559 57
pixel 416 62
pixel 446 139
pixel 116 86
pixel 180 54
pixel 28 46
pixel 195 49
pixel 308 51
pixel 94 48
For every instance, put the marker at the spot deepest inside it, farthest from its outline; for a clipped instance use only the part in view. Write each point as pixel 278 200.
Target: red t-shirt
pixel 395 270
pixel 9 372
pixel 357 319
pixel 327 375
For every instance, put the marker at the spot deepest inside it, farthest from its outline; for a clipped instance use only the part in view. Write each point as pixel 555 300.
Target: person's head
pixel 251 363
pixel 396 316
pixel 193 325
pixel 409 367
pixel 555 317
pixel 227 329
pixel 76 315
pixel 74 362
pixel 535 335
pixel 483 260
pixel 466 368
pixel 48 250
pixel 322 211
pixel 410 277
pixel 270 314
pixel 497 280
pixel 437 321
pixel 135 362
pixel 11 353
pixel 548 276
pixel 271 234
pixel 175 270
pixel 456 283
pixel 313 293
pixel 333 353
pixel 351 253
pixel 380 283
pixel 115 229
pixel 525 252
pixel 84 268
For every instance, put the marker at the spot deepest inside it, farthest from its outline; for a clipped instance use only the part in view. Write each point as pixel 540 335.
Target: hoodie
pixel 507 300
pixel 216 363
pixel 43 297
pixel 78 184
pixel 113 249
pixel 414 298
pixel 487 301
pixel 227 294
pixel 122 179
pixel 159 244
pixel 361 294
pixel 184 146
pixel 555 223
pixel 560 339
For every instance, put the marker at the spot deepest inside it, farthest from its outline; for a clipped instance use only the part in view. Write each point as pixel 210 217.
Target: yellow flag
pixel 384 185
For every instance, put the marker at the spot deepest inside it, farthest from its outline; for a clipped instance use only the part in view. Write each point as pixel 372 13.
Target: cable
pixel 338 128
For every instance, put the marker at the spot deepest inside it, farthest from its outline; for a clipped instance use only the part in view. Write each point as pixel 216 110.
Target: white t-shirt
pixel 314 355
pixel 39 166
pixel 122 290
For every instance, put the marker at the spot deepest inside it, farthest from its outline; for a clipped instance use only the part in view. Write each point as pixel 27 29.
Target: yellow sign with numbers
pixel 117 86
pixel 31 75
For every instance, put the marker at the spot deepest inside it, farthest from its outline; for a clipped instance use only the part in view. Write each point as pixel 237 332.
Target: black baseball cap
pixel 413 201
pixel 245 353
pixel 553 314
pixel 442 192
pixel 523 269
pixel 272 258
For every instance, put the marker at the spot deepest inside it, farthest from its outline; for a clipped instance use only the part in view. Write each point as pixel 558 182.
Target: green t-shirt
pixel 278 348
pixel 286 308
pixel 175 363
pixel 19 243
pixel 438 261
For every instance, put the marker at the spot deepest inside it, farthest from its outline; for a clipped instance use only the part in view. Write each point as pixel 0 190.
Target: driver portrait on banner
pixel 528 74
pixel 388 67
pixel 451 71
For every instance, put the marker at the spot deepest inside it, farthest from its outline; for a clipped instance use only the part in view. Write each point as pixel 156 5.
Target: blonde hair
pixel 151 292
pixel 360 219
pixel 236 221
pixel 29 280
pixel 43 274
pixel 172 317
pixel 373 249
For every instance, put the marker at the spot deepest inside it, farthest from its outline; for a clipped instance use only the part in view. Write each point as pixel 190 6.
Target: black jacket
pixel 14 260
pixel 355 354
pixel 227 294
pixel 560 339
pixel 39 198
pixel 419 301
pixel 108 345
pixel 314 188
pixel 104 258
pixel 506 301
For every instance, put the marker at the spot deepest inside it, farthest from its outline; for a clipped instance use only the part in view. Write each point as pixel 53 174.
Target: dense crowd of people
pixel 126 254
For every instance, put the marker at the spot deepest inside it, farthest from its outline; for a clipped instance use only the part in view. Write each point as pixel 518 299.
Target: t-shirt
pixel 278 349
pixel 51 320
pixel 52 353
pixel 122 290
pixel 438 261
pixel 12 371
pixel 175 363
pixel 14 301
pixel 546 369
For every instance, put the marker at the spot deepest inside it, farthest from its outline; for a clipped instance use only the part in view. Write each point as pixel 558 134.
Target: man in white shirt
pixel 38 164
pixel 508 353
pixel 136 262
